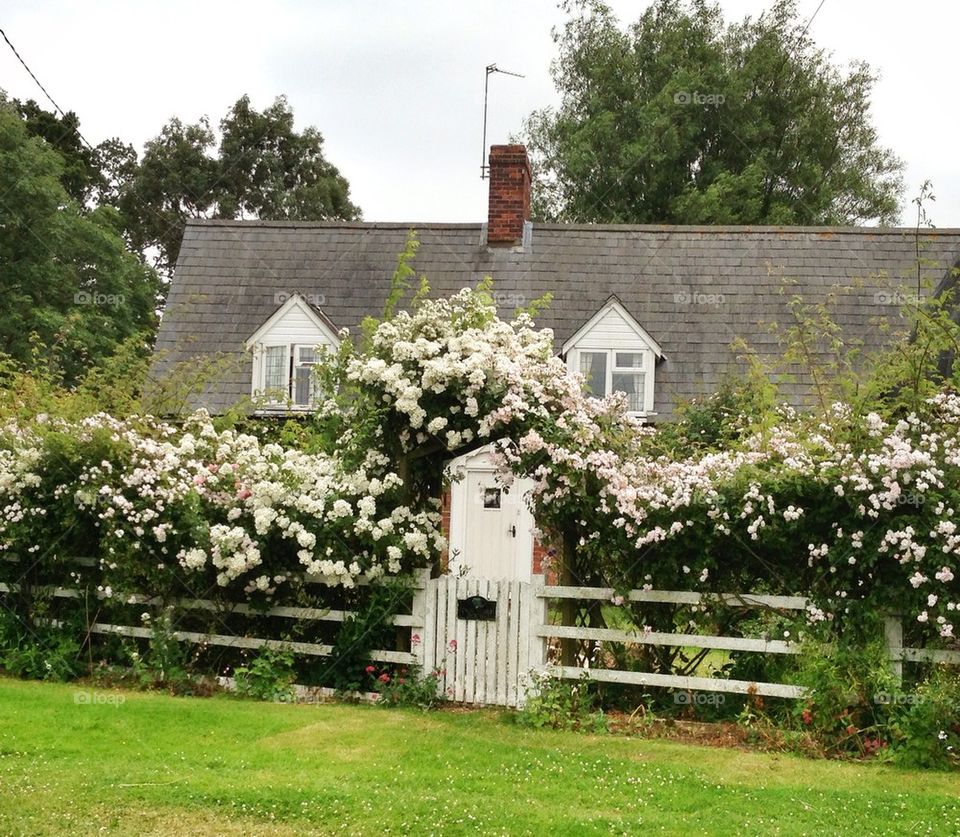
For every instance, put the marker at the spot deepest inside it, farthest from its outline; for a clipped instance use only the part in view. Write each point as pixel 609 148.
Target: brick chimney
pixel 509 194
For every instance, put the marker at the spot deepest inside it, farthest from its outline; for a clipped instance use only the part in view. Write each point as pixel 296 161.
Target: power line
pixel 44 89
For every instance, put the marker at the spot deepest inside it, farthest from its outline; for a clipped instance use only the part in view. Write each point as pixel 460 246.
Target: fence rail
pixel 488 660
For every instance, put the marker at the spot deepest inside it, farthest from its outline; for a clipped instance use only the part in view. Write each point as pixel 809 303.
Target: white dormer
pixel 285 351
pixel 615 354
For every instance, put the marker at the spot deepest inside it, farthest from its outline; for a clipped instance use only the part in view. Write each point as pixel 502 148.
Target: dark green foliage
pixel 261 168
pixel 680 118
pixel 66 278
pixel 268 676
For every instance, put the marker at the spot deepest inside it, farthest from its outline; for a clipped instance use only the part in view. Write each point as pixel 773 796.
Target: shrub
pixel 926 728
pixel 268 676
pixel 558 704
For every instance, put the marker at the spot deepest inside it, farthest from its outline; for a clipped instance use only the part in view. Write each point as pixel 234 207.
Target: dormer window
pixel 285 352
pixel 288 375
pixel 614 354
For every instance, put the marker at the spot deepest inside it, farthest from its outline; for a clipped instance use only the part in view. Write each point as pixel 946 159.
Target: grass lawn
pixel 160 765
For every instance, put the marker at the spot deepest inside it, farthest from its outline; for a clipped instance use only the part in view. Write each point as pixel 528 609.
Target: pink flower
pixel 243 493
pixel 415 639
pixel 370 669
pixel 384 678
pixel 452 645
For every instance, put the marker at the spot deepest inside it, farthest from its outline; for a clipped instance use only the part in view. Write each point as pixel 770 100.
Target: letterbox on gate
pixel 477 607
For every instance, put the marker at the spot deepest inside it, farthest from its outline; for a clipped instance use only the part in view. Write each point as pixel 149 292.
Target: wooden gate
pixel 482 660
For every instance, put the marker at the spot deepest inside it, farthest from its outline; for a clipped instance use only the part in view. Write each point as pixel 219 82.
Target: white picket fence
pixel 488 660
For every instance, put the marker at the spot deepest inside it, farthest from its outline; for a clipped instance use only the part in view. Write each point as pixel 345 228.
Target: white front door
pixel 491 528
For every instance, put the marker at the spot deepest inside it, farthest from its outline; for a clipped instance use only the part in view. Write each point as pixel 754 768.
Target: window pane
pixel 303 390
pixel 629 360
pixel 491 498
pixel 632 383
pixel 274 366
pixel 593 365
pixel 308 354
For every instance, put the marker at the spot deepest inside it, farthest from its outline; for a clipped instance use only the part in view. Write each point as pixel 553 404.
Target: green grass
pixel 160 765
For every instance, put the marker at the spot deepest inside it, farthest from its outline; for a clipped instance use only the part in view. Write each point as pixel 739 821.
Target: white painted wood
pixel 461 646
pixel 422 609
pixel 299 613
pixel 708 684
pixel 470 589
pixel 490 652
pixel 513 640
pixel 680 597
pixel 294 321
pixel 527 622
pixel 612 327
pixel 480 673
pixel 228 641
pixel 503 606
pixel 930 655
pixel 893 637
pixel 451 652
pixel 491 543
pixel 766 646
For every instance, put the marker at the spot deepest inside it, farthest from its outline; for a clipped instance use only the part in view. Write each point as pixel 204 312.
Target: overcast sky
pixel 397 88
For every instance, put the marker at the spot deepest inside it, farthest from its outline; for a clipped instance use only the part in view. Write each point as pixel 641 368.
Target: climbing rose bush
pixel 161 506
pixel 858 512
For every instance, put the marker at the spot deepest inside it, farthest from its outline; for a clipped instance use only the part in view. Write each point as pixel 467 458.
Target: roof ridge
pixel 760 229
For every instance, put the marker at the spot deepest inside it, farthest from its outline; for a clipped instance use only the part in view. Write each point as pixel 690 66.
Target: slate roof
pixel 694 289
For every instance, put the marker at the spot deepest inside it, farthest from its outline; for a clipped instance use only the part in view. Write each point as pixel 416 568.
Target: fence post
pixel 893 636
pixel 534 647
pixel 422 612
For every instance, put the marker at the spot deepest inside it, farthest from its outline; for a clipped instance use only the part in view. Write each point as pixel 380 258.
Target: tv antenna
pixel 491 69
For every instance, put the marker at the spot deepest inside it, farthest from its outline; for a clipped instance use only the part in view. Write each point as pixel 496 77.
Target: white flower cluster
pixel 198 500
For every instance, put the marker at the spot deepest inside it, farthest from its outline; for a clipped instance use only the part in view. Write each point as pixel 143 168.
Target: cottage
pixel 651 311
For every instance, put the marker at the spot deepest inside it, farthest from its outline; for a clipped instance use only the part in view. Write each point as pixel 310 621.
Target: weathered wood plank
pixel 930 655
pixel 502 623
pixel 705 684
pixel 470 683
pixel 228 641
pixel 766 646
pixel 460 650
pixel 513 641
pixel 680 597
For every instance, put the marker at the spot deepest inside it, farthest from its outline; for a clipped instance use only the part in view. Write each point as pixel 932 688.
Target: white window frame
pixel 291 354
pixel 649 362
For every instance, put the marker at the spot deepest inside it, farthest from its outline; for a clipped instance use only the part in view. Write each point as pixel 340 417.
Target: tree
pixel 683 119
pixel 91 175
pixel 69 285
pixel 262 168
